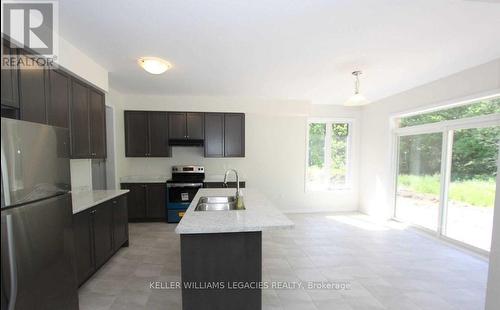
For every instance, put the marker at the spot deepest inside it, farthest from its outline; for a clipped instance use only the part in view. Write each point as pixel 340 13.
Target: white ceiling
pixel 296 49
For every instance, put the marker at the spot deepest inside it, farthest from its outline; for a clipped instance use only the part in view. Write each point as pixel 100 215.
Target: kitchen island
pixel 221 251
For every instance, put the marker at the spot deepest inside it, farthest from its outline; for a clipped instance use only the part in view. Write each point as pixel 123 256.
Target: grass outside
pixel 479 193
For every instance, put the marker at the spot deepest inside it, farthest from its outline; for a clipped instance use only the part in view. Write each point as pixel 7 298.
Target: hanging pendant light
pixel 357 99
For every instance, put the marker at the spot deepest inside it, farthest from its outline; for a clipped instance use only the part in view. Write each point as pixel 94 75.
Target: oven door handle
pixel 184 184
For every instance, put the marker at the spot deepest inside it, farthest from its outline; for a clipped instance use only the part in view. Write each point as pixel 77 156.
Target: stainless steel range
pixel 181 189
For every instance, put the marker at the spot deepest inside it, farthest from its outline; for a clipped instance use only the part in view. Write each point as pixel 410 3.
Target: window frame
pixel 349 150
pixel 446 128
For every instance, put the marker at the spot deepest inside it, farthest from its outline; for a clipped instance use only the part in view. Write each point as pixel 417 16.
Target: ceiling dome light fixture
pixel 154 65
pixel 357 99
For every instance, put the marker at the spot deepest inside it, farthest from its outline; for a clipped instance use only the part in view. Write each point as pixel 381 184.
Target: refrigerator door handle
pixel 12 262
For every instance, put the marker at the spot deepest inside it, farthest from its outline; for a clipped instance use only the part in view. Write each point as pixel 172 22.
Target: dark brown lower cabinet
pixel 103 233
pixel 147 201
pixel 156 201
pixel 120 221
pixel 136 200
pixel 84 245
pixel 99 232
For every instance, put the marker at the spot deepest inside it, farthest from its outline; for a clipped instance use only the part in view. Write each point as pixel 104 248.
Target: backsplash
pixel 81 174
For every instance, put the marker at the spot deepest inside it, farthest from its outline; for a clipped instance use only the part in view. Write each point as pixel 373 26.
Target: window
pixel 328 151
pixel 446 171
pixel 479 108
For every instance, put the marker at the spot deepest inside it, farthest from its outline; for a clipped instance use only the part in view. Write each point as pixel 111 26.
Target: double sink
pixel 218 203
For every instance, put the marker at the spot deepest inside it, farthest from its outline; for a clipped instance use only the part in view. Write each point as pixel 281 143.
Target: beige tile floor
pixel 386 266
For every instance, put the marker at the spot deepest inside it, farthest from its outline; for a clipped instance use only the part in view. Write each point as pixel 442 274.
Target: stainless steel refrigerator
pixel 38 270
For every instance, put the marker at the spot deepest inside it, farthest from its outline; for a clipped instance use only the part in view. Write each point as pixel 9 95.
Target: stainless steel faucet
pixel 237 181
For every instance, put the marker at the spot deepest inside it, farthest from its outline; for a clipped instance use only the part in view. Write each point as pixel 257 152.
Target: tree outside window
pixel 328 155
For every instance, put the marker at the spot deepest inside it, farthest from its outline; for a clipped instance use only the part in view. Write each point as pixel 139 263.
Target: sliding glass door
pixel 472 184
pixel 446 170
pixel 446 182
pixel 418 179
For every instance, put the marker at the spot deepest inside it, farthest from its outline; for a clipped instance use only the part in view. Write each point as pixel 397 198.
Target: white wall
pixel 275 147
pixel 74 60
pixel 376 173
pixel 81 174
pixel 493 292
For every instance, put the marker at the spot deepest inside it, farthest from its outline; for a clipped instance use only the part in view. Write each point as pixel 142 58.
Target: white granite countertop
pixel 260 215
pixel 144 179
pixel 83 200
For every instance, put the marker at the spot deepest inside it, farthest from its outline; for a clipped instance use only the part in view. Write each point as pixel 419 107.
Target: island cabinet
pixel 185 127
pixel 146 134
pixel 233 258
pixel 228 252
pixel 88 122
pixel 99 232
pixel 147 201
pixel 224 135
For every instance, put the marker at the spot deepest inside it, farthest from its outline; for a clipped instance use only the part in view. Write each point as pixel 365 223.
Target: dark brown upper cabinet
pixel 136 134
pixel 97 119
pixel 224 135
pixel 33 91
pixel 177 125
pixel 80 140
pixel 59 98
pixel 194 126
pixel 88 122
pixel 10 82
pixel 158 134
pixel 55 97
pixel 214 135
pixel 146 134
pixel 234 135
pixel 186 128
